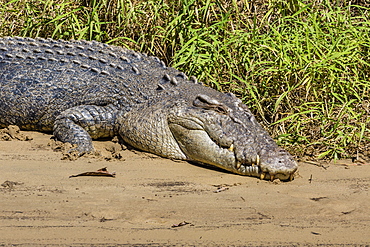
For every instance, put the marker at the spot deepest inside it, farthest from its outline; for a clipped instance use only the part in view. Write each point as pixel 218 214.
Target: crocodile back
pixel 39 78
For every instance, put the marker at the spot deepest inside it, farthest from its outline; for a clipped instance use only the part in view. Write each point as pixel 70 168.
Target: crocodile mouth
pixel 267 175
pixel 258 168
pixel 197 145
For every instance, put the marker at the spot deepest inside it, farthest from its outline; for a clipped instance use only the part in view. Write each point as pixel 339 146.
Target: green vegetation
pixel 301 66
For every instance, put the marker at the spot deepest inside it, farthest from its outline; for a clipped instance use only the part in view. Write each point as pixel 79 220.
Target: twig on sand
pixel 220 189
pixel 316 164
pixel 180 224
pixel 103 172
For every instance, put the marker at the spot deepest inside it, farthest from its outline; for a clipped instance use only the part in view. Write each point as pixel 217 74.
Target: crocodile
pixel 83 90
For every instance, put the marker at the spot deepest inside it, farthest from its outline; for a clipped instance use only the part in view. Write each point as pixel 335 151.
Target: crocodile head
pixel 218 129
pixel 206 126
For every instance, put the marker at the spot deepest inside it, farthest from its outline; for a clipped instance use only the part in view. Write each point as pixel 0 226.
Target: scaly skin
pixel 84 90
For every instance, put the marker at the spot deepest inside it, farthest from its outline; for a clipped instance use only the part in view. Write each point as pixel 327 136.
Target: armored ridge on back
pixel 82 90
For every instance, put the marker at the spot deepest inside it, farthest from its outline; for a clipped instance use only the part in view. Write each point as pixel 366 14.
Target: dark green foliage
pixel 301 66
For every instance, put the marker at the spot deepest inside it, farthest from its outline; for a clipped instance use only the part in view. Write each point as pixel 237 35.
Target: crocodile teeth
pixel 231 148
pixel 272 177
pixel 262 176
pixel 258 160
pixel 238 164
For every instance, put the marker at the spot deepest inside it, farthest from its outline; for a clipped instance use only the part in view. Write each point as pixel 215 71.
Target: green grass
pixel 301 66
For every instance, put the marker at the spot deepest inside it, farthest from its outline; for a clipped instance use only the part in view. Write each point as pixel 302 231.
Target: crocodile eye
pixel 208 103
pixel 222 109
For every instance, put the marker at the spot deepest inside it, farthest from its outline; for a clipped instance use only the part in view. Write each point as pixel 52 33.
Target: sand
pixel 158 202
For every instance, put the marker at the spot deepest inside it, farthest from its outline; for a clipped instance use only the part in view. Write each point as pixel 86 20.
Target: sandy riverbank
pixel 42 206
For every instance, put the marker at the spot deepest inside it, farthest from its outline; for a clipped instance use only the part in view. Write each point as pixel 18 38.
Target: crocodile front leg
pixel 80 124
